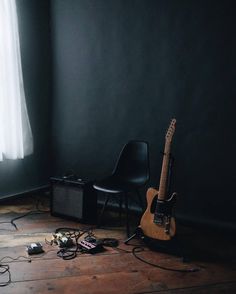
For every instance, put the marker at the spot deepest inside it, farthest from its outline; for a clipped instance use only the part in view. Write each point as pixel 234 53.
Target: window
pixel 16 139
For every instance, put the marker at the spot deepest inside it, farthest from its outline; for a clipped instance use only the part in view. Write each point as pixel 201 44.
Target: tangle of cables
pixel 68 240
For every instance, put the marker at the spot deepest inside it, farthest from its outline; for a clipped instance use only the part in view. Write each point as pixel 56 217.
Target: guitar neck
pixel 164 173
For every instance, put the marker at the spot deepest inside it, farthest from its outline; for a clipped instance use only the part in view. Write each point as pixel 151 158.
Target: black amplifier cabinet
pixel 73 199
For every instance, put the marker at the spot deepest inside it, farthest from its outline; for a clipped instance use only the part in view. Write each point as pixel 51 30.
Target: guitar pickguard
pixel 158 209
pixel 163 212
pixel 154 204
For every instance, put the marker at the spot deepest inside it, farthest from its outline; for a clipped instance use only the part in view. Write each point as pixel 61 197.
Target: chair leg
pixel 120 207
pixel 127 215
pixel 140 200
pixel 103 209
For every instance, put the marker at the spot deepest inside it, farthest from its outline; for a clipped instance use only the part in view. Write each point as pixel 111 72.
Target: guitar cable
pixel 4 268
pixel 138 249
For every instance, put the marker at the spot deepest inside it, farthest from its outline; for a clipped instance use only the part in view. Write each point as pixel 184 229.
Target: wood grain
pixel 111 271
pixel 149 228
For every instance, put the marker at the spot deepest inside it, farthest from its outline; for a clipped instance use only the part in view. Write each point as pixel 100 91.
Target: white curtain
pixel 16 139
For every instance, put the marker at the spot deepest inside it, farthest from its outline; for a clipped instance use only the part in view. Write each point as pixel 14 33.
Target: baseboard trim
pixel 216 225
pixel 40 189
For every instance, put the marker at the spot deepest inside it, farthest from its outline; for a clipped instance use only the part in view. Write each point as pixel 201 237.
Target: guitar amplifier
pixel 73 199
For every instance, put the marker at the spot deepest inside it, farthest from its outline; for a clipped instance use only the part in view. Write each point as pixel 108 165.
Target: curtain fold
pixel 16 140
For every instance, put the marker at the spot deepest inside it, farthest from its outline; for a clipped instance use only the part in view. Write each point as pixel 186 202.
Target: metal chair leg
pixel 127 215
pixel 120 207
pixel 140 200
pixel 103 209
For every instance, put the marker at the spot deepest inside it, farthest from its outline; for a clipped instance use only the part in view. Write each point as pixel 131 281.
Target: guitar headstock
pixel 171 130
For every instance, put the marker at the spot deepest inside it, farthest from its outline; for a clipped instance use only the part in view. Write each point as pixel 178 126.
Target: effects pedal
pixel 65 242
pixel 62 240
pixel 90 247
pixel 34 248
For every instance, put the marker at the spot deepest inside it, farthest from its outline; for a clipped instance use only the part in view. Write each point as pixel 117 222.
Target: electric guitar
pixel 157 221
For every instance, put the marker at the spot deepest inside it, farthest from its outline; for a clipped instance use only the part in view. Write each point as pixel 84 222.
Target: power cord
pixel 37 211
pixel 15 259
pixel 12 221
pixel 4 268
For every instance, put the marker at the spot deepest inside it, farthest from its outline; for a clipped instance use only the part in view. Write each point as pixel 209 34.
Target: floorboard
pixel 115 270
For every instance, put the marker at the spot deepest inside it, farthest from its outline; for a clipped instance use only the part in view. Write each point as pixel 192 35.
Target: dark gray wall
pixel 123 69
pixel 32 172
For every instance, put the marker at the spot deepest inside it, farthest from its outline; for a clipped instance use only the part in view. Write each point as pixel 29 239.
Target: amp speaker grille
pixel 73 200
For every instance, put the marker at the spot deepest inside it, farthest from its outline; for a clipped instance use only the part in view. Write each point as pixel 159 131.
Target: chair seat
pixel 114 185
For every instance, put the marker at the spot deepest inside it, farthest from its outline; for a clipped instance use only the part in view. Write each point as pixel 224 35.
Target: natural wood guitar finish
pixel 149 228
pixel 159 224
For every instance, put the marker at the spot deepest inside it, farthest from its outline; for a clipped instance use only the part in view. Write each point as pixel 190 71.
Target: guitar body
pixel 157 222
pixel 151 229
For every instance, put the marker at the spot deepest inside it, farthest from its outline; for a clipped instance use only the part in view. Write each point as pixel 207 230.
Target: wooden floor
pixel 112 271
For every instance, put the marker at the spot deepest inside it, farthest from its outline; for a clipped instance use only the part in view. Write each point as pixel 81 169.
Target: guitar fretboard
pixel 164 172
pixel 165 162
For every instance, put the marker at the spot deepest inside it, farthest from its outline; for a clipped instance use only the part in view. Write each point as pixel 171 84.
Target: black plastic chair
pixel 130 173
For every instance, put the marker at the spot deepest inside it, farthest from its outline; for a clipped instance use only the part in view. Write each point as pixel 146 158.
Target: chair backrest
pixel 133 163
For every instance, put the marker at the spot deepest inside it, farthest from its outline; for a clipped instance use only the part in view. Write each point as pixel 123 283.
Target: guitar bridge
pixel 163 211
pixel 159 219
pixel 167 225
pixel 163 220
